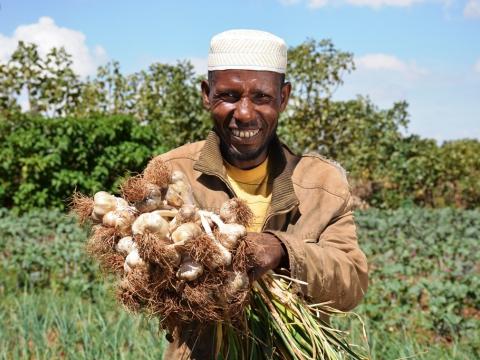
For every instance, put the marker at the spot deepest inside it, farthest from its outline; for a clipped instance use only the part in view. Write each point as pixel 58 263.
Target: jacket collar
pixel 282 162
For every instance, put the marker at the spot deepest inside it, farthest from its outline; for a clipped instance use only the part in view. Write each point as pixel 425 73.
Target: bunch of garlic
pixel 170 215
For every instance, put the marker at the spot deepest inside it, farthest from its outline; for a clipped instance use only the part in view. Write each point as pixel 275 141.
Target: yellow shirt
pixel 252 186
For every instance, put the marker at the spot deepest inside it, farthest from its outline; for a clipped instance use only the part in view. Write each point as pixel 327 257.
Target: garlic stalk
pixel 226 255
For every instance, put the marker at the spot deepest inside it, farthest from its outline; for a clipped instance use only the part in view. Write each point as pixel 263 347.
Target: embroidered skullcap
pixel 247 50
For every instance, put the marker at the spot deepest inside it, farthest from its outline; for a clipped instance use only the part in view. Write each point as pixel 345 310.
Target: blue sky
pixel 424 51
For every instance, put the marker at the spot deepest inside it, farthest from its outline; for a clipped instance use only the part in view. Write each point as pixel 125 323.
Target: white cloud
pixel 385 78
pixel 46 34
pixel 472 9
pixel 476 67
pixel 388 62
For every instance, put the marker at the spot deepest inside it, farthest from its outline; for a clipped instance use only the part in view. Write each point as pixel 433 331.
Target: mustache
pixel 251 125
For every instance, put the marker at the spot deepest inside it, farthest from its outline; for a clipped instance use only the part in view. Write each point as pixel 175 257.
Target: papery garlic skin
pixel 152 222
pixel 125 245
pixel 185 233
pixel 190 270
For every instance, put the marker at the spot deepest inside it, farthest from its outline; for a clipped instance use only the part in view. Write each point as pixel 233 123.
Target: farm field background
pixel 423 300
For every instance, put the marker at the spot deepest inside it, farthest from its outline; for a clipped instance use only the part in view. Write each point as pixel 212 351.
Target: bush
pixel 43 161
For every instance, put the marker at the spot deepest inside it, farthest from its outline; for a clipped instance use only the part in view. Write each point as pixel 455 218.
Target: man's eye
pixel 262 98
pixel 227 96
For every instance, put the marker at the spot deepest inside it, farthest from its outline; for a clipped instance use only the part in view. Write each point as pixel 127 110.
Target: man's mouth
pixel 244 133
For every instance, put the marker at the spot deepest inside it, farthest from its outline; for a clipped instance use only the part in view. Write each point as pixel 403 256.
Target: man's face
pixel 245 106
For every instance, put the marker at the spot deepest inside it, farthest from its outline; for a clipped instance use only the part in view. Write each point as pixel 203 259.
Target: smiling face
pixel 245 106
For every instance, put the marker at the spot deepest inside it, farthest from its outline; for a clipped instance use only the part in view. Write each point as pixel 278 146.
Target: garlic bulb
pixel 189 270
pixel 103 203
pixel 152 222
pixel 119 219
pixel 187 213
pixel 237 281
pixel 132 260
pixel 231 232
pixel 173 196
pixel 185 233
pixel 153 201
pixel 179 192
pixel 125 245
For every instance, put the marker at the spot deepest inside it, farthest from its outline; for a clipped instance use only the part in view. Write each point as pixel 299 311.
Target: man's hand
pixel 270 254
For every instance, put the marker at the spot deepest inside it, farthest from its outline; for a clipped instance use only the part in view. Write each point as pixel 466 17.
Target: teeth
pixel 244 134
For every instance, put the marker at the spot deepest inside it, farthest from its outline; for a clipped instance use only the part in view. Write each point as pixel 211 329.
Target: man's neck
pixel 246 164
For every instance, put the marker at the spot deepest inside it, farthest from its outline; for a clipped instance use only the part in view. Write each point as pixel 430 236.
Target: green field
pixel 423 300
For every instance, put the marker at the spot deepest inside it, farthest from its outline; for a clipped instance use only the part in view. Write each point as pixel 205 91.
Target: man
pixel 302 205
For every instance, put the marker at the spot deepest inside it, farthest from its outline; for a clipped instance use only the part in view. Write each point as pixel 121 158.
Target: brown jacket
pixel 310 213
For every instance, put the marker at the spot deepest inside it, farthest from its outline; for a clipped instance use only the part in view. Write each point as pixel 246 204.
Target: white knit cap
pixel 247 50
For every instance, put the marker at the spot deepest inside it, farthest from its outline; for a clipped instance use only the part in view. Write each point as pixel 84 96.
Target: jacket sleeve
pixel 332 265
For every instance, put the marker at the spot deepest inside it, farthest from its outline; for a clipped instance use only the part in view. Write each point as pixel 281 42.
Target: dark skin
pixel 245 106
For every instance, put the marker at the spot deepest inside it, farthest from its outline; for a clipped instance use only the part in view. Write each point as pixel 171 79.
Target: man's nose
pixel 244 110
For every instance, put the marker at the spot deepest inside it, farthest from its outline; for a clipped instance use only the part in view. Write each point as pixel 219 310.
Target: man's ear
pixel 205 94
pixel 286 89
